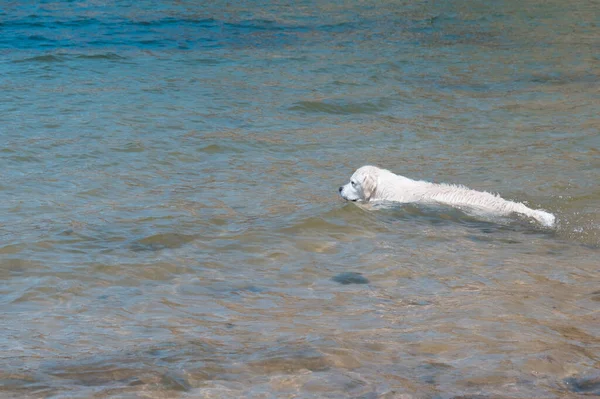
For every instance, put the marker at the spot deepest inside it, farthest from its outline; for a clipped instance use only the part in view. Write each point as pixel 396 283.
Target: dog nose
pixel 341 188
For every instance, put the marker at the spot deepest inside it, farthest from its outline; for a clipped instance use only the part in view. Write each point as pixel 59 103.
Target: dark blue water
pixel 169 217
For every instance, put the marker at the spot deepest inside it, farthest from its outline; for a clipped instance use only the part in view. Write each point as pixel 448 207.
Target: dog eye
pixel 353 183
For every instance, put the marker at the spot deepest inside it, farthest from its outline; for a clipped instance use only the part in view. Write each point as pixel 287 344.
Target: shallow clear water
pixel 170 223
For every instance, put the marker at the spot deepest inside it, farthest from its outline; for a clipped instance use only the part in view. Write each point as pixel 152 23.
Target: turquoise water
pixel 170 221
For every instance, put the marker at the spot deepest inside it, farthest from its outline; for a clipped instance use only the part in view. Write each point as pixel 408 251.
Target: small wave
pixel 40 38
pixel 101 56
pixel 217 149
pixel 339 27
pixel 206 61
pixel 157 33
pixel 559 78
pixel 153 42
pixel 207 22
pixel 51 58
pixel 256 24
pixel 31 21
pixel 290 360
pixel 25 158
pixel 77 22
pixel 162 241
pixel 130 147
pixel 340 108
pixel 41 58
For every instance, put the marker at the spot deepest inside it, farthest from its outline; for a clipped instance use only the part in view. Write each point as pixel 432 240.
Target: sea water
pixel 170 224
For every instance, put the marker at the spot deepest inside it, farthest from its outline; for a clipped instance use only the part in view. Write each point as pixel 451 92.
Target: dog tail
pixel 545 218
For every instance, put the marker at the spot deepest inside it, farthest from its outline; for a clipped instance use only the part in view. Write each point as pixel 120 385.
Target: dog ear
pixel 368 187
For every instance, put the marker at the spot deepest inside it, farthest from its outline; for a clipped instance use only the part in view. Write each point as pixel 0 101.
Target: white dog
pixel 370 183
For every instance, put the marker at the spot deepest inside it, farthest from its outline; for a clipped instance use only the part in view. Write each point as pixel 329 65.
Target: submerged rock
pixel 585 385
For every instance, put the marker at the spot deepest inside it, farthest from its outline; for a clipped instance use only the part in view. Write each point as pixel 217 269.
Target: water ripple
pixel 171 225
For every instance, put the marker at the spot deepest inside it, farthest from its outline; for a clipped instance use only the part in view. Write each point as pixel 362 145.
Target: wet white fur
pixel 370 183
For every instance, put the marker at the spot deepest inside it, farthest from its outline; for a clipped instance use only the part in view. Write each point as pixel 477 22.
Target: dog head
pixel 362 186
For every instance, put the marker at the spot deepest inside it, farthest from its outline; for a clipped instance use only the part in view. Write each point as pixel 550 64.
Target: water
pixel 170 222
